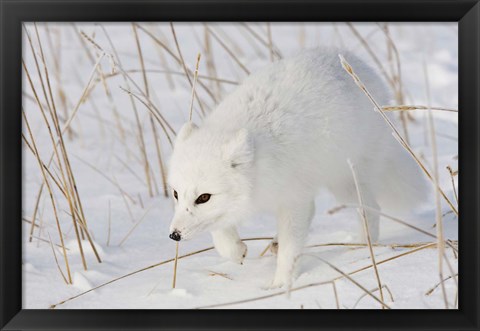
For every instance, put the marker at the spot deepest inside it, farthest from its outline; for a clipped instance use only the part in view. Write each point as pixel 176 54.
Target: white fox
pixel 283 134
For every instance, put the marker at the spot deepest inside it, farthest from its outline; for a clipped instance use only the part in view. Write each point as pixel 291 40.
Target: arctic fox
pixel 284 133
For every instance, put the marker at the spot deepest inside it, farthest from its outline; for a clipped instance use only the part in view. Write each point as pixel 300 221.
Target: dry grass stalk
pixel 235 47
pixel 101 173
pixel 150 105
pixel 195 77
pixel 124 198
pixel 68 122
pixel 392 246
pixel 135 226
pixel 184 66
pixel 270 42
pixel 128 275
pixel 191 110
pixel 430 291
pixel 438 206
pixel 152 124
pixel 452 177
pixel 367 36
pixel 228 50
pixel 372 291
pixel 392 82
pixel 54 116
pixel 265 250
pixel 84 93
pixel 416 107
pixel 55 180
pixel 77 33
pixel 396 74
pixel 261 40
pixel 65 184
pixel 211 70
pixel 130 170
pixel 57 71
pixel 146 163
pixel 348 68
pixel 54 207
pixel 356 245
pixel 150 267
pixel 353 281
pixel 161 55
pixel 384 27
pixel 140 200
pixel 35 210
pixel 48 242
pixel 152 110
pixel 372 54
pixel 110 99
pixel 128 79
pixel 59 186
pixel 109 223
pixel 26 220
pixel 392 218
pixel 56 260
pixel 294 289
pixel 197 39
pixel 37 100
pixel 366 229
pixel 337 301
pixel 254 45
pixel 70 188
pixel 175 264
pixel 221 274
pixel 211 78
pixel 37 66
pixel 179 61
pixel 302 36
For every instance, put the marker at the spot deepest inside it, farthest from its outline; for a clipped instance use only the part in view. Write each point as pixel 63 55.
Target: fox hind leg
pixel 293 223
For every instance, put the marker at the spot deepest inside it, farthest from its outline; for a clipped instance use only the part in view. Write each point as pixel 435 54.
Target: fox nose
pixel 175 236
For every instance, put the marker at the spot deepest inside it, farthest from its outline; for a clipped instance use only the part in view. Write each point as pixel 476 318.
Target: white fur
pixel 283 134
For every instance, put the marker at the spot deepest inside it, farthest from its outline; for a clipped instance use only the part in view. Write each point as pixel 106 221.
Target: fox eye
pixel 175 194
pixel 203 198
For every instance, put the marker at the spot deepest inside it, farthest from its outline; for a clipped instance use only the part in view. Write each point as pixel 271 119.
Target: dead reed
pixel 366 230
pixel 438 207
pixel 294 289
pixel 148 268
pixel 175 264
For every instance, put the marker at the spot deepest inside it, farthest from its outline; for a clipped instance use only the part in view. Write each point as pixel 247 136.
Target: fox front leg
pixel 293 225
pixel 228 244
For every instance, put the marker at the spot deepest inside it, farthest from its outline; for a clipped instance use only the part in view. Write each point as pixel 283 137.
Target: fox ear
pixel 185 131
pixel 239 150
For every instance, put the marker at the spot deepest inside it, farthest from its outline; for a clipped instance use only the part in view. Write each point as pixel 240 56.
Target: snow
pixel 136 237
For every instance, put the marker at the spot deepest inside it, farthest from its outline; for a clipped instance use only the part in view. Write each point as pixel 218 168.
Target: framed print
pixel 239 165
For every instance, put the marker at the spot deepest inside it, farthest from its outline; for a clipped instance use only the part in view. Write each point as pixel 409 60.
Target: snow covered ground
pixel 130 228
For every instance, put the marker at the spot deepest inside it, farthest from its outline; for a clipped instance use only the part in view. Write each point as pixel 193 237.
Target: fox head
pixel 210 178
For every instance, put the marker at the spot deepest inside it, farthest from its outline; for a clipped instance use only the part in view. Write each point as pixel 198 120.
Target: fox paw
pixel 274 285
pixel 280 281
pixel 235 252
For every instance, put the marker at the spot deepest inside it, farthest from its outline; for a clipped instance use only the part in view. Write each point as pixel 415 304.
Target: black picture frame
pixel 13 12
